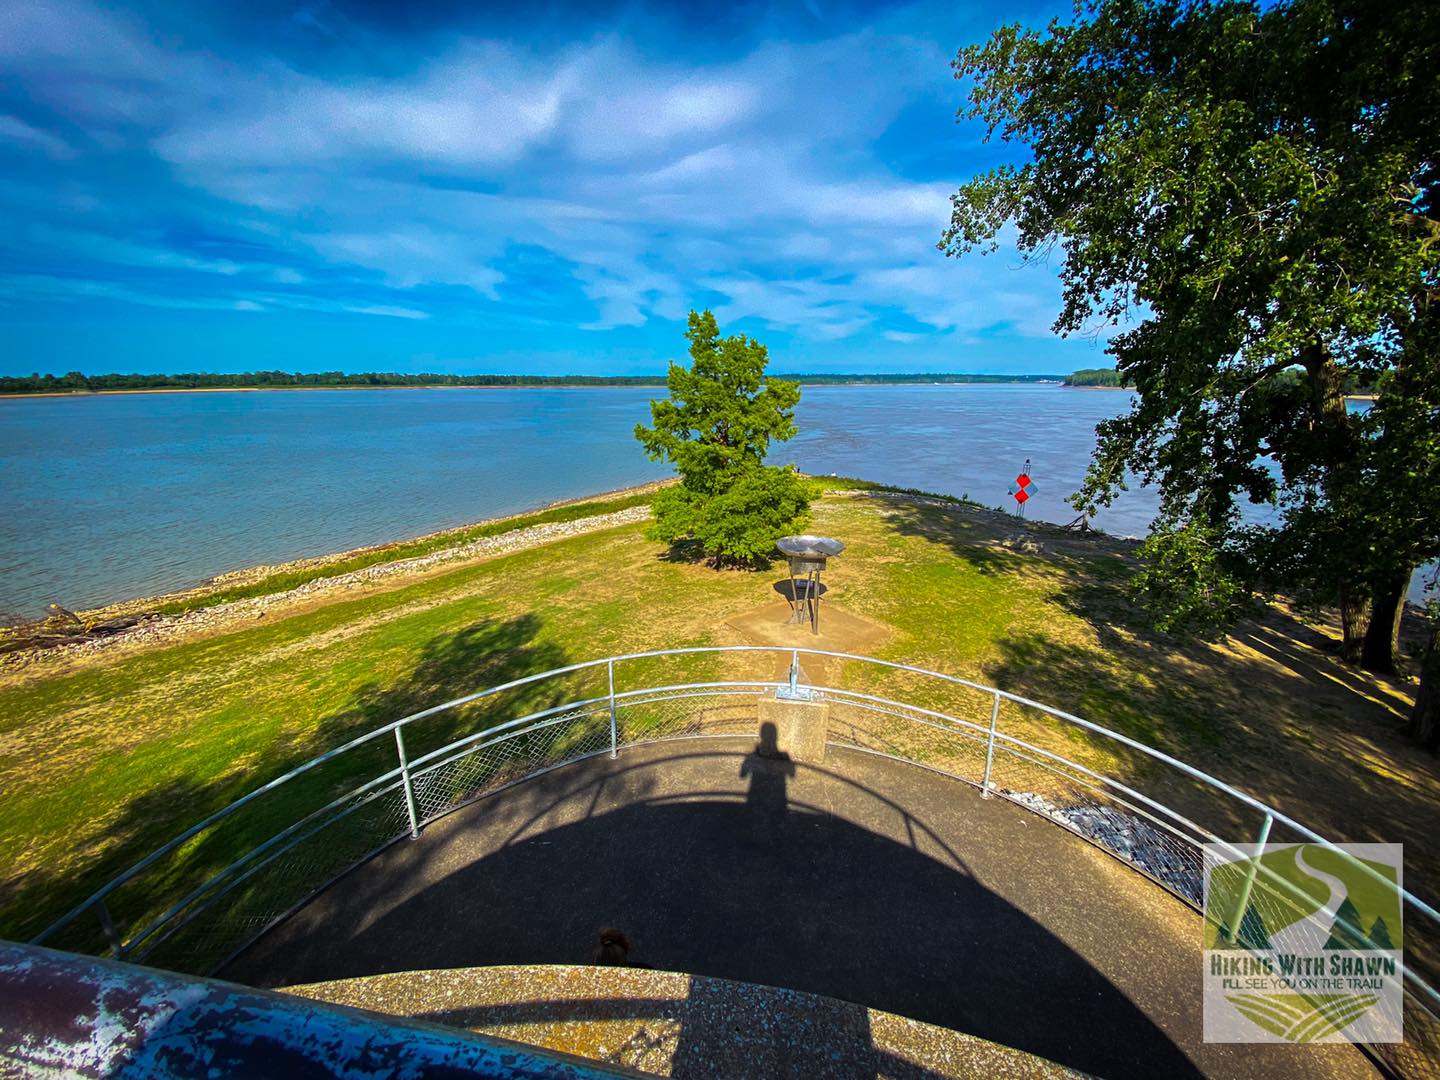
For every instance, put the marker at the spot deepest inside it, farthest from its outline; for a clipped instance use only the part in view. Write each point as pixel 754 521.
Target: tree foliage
pixel 1247 194
pixel 716 427
pixel 1095 377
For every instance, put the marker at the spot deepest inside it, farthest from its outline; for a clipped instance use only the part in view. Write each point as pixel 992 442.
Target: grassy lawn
pixel 101 763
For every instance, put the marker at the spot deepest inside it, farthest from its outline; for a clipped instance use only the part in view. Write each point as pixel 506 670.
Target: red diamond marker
pixel 1022 480
pixel 1020 496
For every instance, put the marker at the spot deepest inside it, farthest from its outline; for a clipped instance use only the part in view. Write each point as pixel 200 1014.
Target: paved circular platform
pixel 865 879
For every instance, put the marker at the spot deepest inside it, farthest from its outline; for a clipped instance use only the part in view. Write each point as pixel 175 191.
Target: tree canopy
pixel 1246 195
pixel 716 427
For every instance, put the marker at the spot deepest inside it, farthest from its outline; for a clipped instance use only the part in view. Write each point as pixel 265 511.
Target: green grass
pixel 100 764
pixel 410 549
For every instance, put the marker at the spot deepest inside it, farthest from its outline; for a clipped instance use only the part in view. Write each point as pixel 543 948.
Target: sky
pixel 461 187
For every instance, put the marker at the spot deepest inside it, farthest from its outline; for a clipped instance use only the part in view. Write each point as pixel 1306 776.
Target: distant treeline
pixel 1097 376
pixel 1350 383
pixel 77 382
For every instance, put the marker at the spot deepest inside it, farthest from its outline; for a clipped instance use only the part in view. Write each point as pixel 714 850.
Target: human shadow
pixel 768 769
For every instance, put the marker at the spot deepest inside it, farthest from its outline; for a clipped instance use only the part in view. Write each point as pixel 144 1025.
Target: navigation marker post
pixel 1023 489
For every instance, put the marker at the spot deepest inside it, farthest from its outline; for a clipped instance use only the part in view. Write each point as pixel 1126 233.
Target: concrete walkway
pixel 865 879
pixel 690 1027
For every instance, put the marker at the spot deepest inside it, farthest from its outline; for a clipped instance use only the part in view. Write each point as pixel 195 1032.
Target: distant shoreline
pixel 858 381
pixel 1132 390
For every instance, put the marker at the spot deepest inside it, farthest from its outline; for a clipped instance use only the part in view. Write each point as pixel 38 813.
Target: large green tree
pixel 1247 194
pixel 716 427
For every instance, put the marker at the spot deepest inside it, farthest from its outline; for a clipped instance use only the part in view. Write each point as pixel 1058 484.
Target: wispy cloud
pixel 15 131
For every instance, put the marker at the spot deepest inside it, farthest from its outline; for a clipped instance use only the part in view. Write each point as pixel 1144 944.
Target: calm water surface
pixel 108 497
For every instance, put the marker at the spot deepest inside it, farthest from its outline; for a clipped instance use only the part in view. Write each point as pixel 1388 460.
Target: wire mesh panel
pixel 908 734
pixel 509 757
pixel 239 906
pixel 1027 769
pixel 174 879
pixel 686 714
pixel 1419 1055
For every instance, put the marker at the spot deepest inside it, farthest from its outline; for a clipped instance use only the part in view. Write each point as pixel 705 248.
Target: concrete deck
pixel 665 1024
pixel 865 879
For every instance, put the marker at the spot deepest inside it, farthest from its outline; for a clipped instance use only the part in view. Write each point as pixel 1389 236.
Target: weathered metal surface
pixel 810 547
pixel 75 1016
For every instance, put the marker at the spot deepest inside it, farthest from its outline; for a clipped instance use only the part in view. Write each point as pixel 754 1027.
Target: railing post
pixel 614 735
pixel 990 747
pixel 794 673
pixel 409 788
pixel 1244 902
pixel 107 926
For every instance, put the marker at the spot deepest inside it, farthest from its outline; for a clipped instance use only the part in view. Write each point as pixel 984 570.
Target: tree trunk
pixel 1425 719
pixel 1330 417
pixel 1327 401
pixel 1354 621
pixel 1382 637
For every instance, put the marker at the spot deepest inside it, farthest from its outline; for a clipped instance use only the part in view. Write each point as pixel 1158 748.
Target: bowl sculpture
pixel 807 556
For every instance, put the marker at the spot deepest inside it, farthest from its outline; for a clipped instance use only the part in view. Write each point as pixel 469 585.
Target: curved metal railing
pixel 195 902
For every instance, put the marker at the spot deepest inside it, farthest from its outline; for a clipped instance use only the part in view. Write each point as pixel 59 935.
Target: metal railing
pixel 197 901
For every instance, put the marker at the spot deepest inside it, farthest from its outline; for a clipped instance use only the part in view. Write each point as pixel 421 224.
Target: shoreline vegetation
pixel 1110 379
pixel 1098 379
pixel 77 383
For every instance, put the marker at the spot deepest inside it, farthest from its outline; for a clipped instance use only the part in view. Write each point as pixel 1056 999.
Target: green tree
pixel 1247 192
pixel 1425 718
pixel 716 427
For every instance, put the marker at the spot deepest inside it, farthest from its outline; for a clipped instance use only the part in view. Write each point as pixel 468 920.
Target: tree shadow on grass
pixel 692 553
pixel 1328 755
pixel 1271 709
pixel 484 654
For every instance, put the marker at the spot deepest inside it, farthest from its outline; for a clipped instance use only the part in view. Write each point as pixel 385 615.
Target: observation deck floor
pixel 864 878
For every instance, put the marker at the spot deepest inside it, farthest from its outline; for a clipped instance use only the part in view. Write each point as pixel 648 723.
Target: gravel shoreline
pixel 156 629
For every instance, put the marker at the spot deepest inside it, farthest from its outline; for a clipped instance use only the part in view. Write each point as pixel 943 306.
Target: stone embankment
pixel 149 629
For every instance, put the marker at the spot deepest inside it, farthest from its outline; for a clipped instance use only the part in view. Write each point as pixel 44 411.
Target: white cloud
pixel 389 311
pixel 481 105
pixel 407 257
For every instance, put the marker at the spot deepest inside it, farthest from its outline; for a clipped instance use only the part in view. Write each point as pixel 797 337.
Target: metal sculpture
pixel 807 556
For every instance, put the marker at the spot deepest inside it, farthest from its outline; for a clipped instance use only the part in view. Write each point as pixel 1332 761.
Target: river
pixel 107 497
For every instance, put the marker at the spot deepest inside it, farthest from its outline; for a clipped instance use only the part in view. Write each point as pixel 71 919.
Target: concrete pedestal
pixel 800 727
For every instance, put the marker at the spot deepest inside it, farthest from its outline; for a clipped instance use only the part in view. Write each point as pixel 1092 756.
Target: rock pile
pixel 1167 858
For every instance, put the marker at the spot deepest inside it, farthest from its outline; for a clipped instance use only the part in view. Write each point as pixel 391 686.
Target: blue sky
pixel 445 187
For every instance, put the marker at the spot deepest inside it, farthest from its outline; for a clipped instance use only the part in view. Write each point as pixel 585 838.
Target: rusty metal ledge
pixel 76 1016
